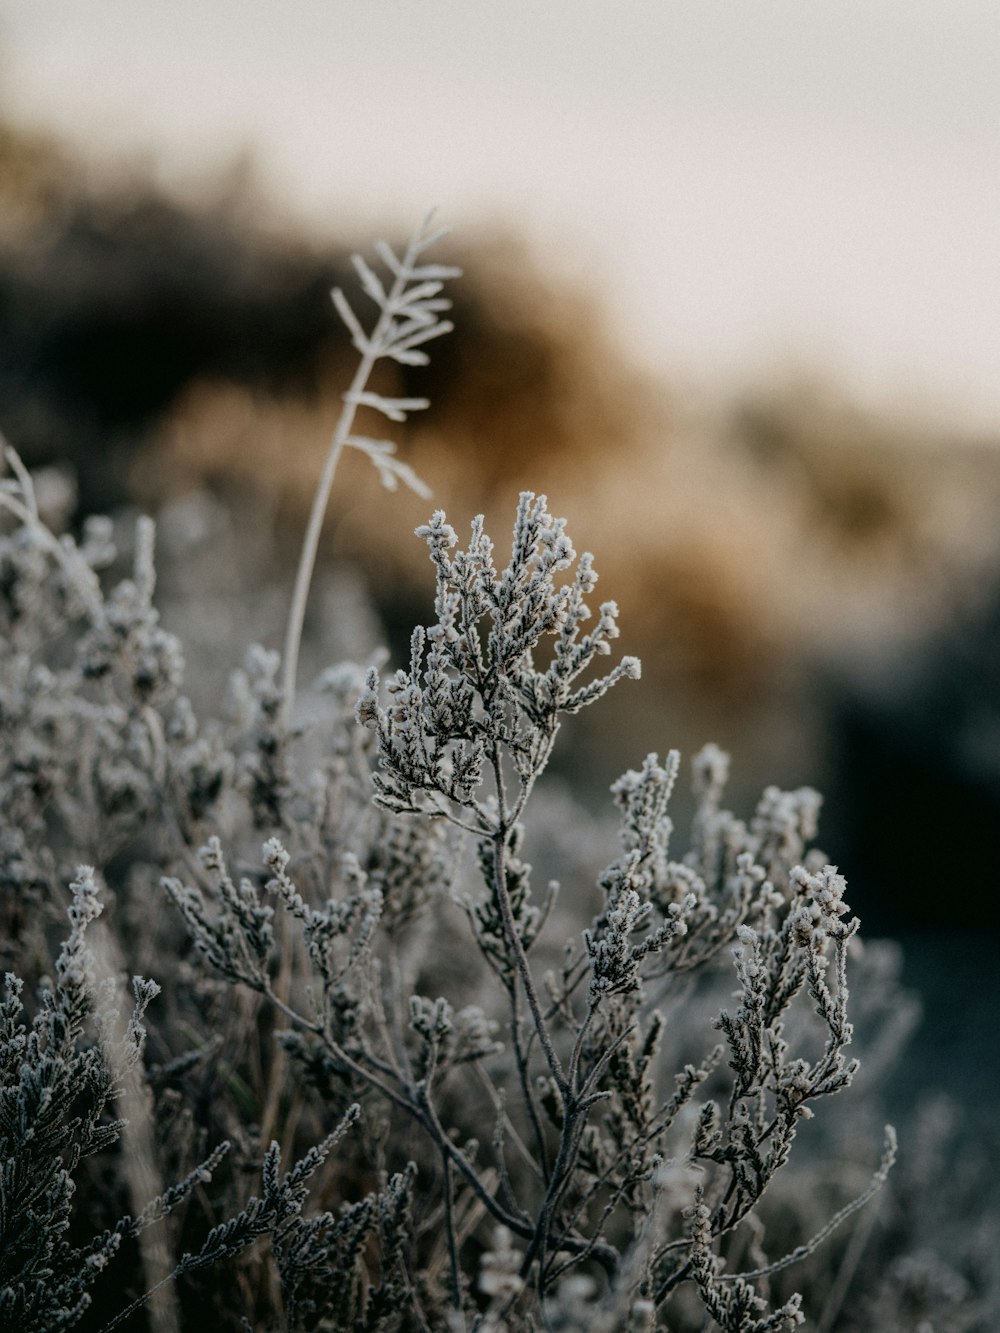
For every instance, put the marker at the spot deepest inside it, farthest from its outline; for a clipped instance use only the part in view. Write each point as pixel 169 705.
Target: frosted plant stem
pixel 379 344
pixel 514 939
pixel 310 544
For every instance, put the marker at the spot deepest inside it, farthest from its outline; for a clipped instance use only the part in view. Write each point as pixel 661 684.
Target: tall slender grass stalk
pixel 408 317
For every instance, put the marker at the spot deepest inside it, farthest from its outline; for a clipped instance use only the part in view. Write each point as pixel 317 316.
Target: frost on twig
pixel 475 694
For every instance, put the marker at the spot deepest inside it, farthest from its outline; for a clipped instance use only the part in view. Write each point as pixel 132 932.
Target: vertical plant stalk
pixel 455 1272
pixel 139 1157
pixel 408 317
pixel 310 543
pixel 521 959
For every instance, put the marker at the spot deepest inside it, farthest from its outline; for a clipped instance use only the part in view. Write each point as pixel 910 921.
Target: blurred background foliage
pixel 812 585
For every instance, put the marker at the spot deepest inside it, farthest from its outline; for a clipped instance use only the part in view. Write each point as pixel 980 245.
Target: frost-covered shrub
pixel 499 1115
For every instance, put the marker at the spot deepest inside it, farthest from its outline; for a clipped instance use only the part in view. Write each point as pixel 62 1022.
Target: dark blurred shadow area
pixel 811 585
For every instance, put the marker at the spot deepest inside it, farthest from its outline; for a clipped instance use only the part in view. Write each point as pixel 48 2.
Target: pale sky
pixel 749 186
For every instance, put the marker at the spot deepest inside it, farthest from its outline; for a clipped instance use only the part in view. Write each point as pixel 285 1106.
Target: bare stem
pixel 521 958
pixel 310 543
pixel 449 1219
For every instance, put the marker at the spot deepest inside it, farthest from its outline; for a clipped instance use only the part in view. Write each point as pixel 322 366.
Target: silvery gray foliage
pixel 103 755
pixel 513 1144
pixel 60 1075
pixel 476 710
pixel 590 1145
pixel 474 694
pixel 90 703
